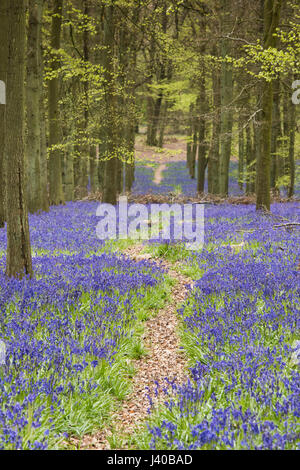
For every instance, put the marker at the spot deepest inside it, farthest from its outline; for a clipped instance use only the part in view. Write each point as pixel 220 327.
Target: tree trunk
pixel 292 125
pixel 195 128
pixel 3 78
pixel 276 134
pixel 250 156
pixel 271 20
pixel 93 169
pixel 241 150
pixel 55 155
pixel 214 153
pixel 85 148
pixel 150 112
pixel 18 259
pixel 43 139
pixel 154 124
pixel 33 144
pixel 202 146
pixel 226 99
pixel 189 138
pixel 69 173
pixel 163 121
pixel 110 120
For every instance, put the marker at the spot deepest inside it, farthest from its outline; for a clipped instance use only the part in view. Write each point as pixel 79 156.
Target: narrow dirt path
pixel 164 360
pixel 158 174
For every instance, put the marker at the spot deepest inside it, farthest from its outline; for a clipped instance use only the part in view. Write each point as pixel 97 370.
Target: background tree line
pixel 82 75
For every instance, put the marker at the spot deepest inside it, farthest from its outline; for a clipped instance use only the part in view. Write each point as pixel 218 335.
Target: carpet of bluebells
pixel 64 328
pixel 176 179
pixel 68 331
pixel 241 331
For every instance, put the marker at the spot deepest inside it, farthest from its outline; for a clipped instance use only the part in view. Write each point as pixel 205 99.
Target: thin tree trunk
pixel 163 121
pixel 43 140
pixel 55 159
pixel 85 150
pixel 189 138
pixel 226 99
pixel 276 134
pixel 271 20
pixel 292 126
pixel 195 128
pixel 69 172
pixel 110 125
pixel 18 259
pixel 154 126
pixel 33 144
pixel 152 140
pixel 214 154
pixel 93 169
pixel 202 146
pixel 241 150
pixel 150 111
pixel 250 156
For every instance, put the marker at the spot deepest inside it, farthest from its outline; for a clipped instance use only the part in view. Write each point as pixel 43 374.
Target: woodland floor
pixel 174 150
pixel 164 359
pixel 161 372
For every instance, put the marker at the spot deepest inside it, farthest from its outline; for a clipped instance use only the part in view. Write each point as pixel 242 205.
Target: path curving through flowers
pixel 164 360
pixel 158 174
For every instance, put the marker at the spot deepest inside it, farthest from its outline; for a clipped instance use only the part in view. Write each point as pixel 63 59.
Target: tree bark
pixel 55 155
pixel 271 21
pixel 111 134
pixel 241 150
pixel 226 99
pixel 43 139
pixel 214 153
pixel 33 143
pixel 291 158
pixel 202 145
pixel 157 105
pixel 3 78
pixel 18 259
pixel 250 156
pixel 275 136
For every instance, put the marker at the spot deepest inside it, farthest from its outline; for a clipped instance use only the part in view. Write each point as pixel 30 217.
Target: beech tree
pixel 3 77
pixel 271 21
pixel 18 258
pixel 33 150
pixel 55 158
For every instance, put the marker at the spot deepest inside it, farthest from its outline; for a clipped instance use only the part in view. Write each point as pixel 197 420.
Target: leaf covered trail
pixel 164 360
